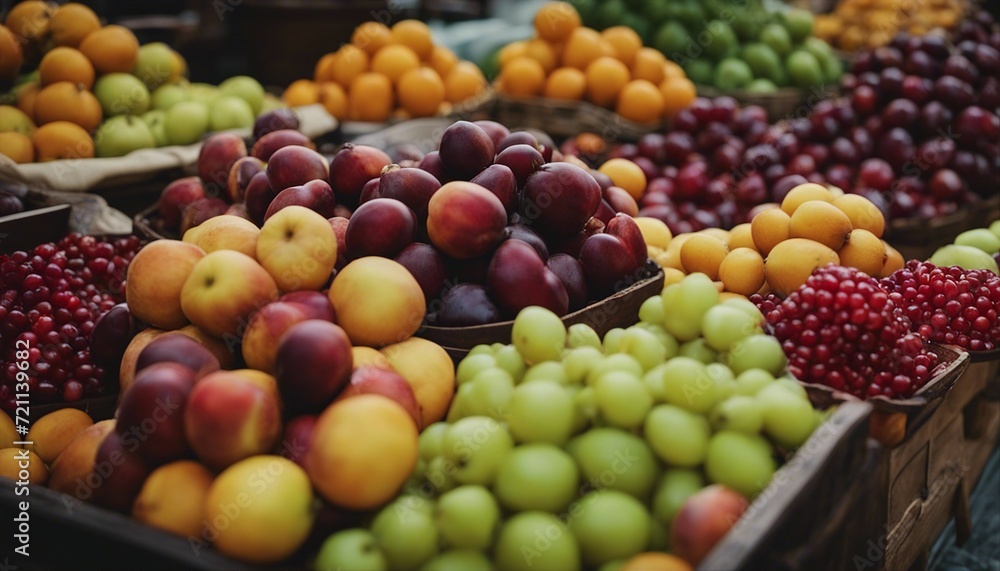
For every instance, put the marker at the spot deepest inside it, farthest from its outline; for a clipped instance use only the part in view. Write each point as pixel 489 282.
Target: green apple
pixel 156 120
pixel 459 560
pixel 979 238
pixel 247 89
pixel 732 73
pixel 271 102
pixel 799 23
pixel 230 112
pixel 350 550
pixel 804 70
pixel 995 228
pixel 186 122
pixel 122 134
pixel 14 120
pixel 965 256
pixel 121 93
pixel 166 96
pixel 154 64
pixel 202 92
pixel 761 86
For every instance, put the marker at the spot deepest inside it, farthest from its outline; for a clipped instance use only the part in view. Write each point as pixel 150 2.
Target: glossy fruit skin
pixel 559 198
pixel 514 265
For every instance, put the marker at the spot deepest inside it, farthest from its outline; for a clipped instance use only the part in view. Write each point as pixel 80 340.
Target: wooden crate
pixel 920 238
pixel 25 230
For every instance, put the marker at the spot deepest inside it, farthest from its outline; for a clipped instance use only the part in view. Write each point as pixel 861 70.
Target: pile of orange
pixel 611 68
pixel 856 24
pixel 383 72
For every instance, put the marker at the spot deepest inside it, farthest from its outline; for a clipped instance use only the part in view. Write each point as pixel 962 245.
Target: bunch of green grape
pixel 563 451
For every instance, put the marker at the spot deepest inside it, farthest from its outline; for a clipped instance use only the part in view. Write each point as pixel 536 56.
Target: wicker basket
pixel 919 238
pixel 568 118
pixel 785 103
pixel 472 109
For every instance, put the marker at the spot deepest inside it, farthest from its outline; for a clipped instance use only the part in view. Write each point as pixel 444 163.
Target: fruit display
pixel 855 24
pixel 10 204
pixel 383 73
pixel 566 61
pixel 969 247
pixel 50 435
pixel 730 45
pixel 667 429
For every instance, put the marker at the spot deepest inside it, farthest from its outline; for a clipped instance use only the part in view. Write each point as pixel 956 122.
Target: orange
pixel 11 56
pixel 26 98
pixel 651 561
pixel 18 147
pixel 71 23
pixel 62 140
pixel 522 77
pixel 349 62
pixel 640 101
pixel 555 21
pixel 566 83
pixel 463 82
pixel 301 92
pixel 334 99
pixel 648 65
pixel 111 49
pixel 421 92
pixel 443 60
pixel 625 41
pixel 415 35
pixel 542 52
pixel 64 101
pixel 30 19
pixel 511 51
pixel 584 46
pixel 370 97
pixel 626 174
pixel 671 69
pixel 323 70
pixel 678 93
pixel 371 37
pixel 66 64
pixel 394 60
pixel 606 76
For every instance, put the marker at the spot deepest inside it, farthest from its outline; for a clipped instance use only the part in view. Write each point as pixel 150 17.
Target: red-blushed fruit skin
pixel 621 201
pixel 411 186
pixel 176 196
pixel 297 439
pixel 466 305
pixel 112 333
pixel 316 304
pixel 518 138
pixel 216 158
pixel 525 234
pixel 427 266
pixel 517 278
pixel 239 209
pixel 294 166
pixel 313 365
pixel 152 412
pixel 604 212
pixel 264 331
pixel 380 227
pixel 374 380
pixel 117 477
pixel 352 167
pixel 275 120
pixel 201 210
pixel 339 225
pixel 611 260
pixel 495 130
pixel 180 349
pixel 370 190
pixel 570 273
pixel 258 197
pixel 523 161
pixel 271 142
pixel 465 150
pixel 703 520
pixel 316 195
pixel 500 180
pixel 465 220
pixel 239 176
pixel 432 164
pixel 559 198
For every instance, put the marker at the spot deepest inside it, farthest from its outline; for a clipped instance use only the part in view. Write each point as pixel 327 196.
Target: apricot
pixel 769 228
pixel 66 64
pixel 173 498
pixel 71 23
pixel 703 253
pixel 671 258
pixel 864 251
pixel 804 193
pixel 367 356
pixel 30 19
pixel 862 213
pixel 893 260
pixel 741 236
pixel 76 461
pixel 62 140
pixel 15 462
pixel 64 101
pixel 742 271
pixel 111 49
pixel 654 231
pixel 53 432
pixel 822 222
pixel 26 96
pixel 301 92
pixel 430 372
pixel 8 430
pixel 11 56
pixel 791 262
pixel 17 147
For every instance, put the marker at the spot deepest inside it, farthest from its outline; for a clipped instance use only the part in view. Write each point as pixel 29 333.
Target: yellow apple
pixel 377 301
pixel 224 288
pixel 366 356
pixel 154 281
pixel 225 232
pixel 429 370
pixel 298 248
pixel 173 498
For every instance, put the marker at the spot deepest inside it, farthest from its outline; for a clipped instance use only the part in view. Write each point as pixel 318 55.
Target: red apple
pixel 176 196
pixel 559 198
pixel 275 120
pixel 380 227
pixel 427 266
pixel 703 520
pixel 465 150
pixel 523 161
pixel 297 440
pixel 151 413
pixel 466 305
pixel 570 272
pixel 294 166
pixel 201 210
pixel 180 349
pixel 118 475
pixel 465 220
pixel 386 382
pixel 517 277
pixel 258 197
pixel 271 142
pixel 495 130
pixel 500 180
pixel 352 167
pixel 216 158
pixel 315 195
pixel 432 164
pixel 263 332
pixel 313 364
pixel 411 186
pixel 316 304
pixel 611 259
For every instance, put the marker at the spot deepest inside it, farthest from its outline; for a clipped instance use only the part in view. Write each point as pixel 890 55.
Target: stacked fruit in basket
pixel 969 247
pixel 856 24
pixel 567 61
pixel 388 72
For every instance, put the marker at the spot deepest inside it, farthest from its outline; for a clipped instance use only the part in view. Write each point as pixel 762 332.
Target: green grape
pixel 756 352
pixel 538 334
pixel 679 437
pixel 644 346
pixel 459 560
pixel 459 403
pixel 612 340
pixel 583 335
pixel 578 362
pixel 676 324
pixel 684 304
pixel 511 361
pixel 793 386
pixel 471 365
pixel 722 326
pixel 547 371
pixel 408 503
pixel 686 384
pixel 497 346
pixel 481 349
pixel 610 458
pixel 584 408
pixel 489 394
pixel 616 362
pixel 746 306
pixel 532 541
pixel 467 516
pixel 431 439
pixel 788 419
pixel 440 474
pixel 751 381
pixel 541 411
pixel 476 445
pixel 622 399
pixel 537 477
pixel 741 461
pixel 611 525
pixel 723 380
pixel 675 487
pixel 670 344
pixel 350 550
pixel 738 413
pixel 654 383
pixel 651 310
pixel 699 350
pixel 408 538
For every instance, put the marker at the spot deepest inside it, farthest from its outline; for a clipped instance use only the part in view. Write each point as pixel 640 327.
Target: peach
pixel 465 220
pixel 151 413
pixel 18 462
pixel 223 289
pixel 53 432
pixel 223 351
pixel 703 520
pixel 312 365
pixel 366 356
pixel 431 374
pixel 76 461
pixel 179 349
pixel 176 196
pixel 298 249
pixel 126 371
pixel 155 279
pixel 173 498
pixel 225 232
pixel 315 303
pixel 217 156
pixel 385 382
pixel 260 340
pixel 117 477
pixel 297 440
pixel 377 301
